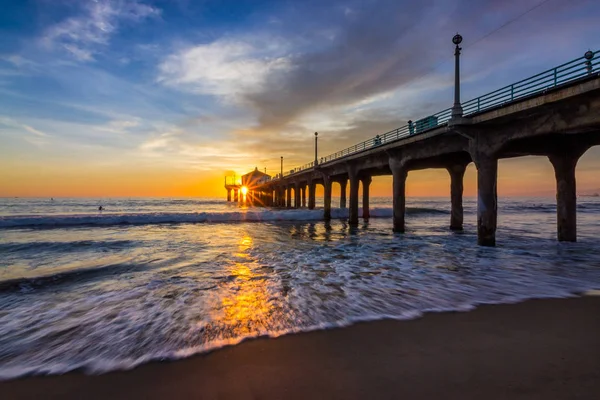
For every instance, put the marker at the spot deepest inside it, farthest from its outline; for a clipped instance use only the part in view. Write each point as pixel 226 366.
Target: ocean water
pixel 155 279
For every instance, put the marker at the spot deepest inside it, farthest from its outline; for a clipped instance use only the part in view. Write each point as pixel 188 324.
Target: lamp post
pixel 456 108
pixel 316 138
pixel 588 63
pixel 281 175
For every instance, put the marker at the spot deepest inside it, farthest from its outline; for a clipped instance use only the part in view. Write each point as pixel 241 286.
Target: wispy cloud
pixel 119 126
pixel 11 123
pixel 24 131
pixel 84 35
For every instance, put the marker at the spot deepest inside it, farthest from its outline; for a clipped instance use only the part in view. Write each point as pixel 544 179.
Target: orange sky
pixel 516 177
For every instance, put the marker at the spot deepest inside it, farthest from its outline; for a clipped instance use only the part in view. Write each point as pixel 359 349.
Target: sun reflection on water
pixel 246 307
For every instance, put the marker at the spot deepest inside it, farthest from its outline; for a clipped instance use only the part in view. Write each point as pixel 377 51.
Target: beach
pixel 538 349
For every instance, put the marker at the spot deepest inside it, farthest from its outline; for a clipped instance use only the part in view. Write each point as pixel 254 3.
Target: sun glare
pixel 244 190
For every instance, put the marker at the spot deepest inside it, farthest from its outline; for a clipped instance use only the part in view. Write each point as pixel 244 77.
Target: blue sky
pixel 183 90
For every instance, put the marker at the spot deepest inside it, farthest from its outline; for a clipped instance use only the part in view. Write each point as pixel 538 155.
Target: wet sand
pixel 540 349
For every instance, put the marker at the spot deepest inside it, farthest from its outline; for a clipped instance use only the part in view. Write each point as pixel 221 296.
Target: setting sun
pixel 244 190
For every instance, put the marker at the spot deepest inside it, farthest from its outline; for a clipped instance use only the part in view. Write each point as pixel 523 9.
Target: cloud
pixel 32 135
pixel 82 36
pixel 11 123
pixel 119 126
pixel 344 52
pixel 226 67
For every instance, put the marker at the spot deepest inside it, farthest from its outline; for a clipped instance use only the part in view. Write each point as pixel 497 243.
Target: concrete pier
pixel 487 199
pixel 343 185
pixel 327 199
pixel 566 195
pixel 353 212
pixel 399 202
pixel 236 195
pixel 457 173
pixel 366 182
pixel 560 123
pixel 296 195
pixel 312 188
pixel 303 193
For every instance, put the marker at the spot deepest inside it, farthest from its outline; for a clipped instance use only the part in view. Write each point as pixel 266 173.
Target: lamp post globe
pixel 457 39
pixel 588 55
pixel 588 61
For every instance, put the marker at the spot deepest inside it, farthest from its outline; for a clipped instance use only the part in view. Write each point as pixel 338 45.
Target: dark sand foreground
pixel 541 349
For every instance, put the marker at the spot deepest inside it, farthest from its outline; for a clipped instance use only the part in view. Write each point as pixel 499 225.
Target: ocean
pixel 162 279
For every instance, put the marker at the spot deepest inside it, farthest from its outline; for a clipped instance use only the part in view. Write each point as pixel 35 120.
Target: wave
pixel 60 247
pixel 26 284
pixel 263 215
pixel 586 207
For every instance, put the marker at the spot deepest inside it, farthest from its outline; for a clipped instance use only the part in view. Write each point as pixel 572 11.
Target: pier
pixel 553 114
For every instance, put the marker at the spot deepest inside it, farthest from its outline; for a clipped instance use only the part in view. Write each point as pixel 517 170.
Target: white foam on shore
pixel 100 365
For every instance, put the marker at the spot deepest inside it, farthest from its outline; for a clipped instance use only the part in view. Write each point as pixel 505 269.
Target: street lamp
pixel 457 110
pixel 281 175
pixel 316 138
pixel 588 63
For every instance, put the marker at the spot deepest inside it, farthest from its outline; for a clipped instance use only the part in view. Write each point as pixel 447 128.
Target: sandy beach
pixel 540 349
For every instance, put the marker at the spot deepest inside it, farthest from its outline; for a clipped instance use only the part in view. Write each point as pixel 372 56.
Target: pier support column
pixel 353 214
pixel 487 199
pixel 327 199
pixel 366 181
pixel 268 196
pixel 303 193
pixel 228 194
pixel 399 174
pixel 296 195
pixel 259 198
pixel 343 184
pixel 457 173
pixel 312 188
pixel 566 195
pixel 282 196
pixel 289 197
pixel 236 195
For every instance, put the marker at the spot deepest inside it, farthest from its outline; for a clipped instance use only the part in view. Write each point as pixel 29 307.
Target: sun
pixel 244 190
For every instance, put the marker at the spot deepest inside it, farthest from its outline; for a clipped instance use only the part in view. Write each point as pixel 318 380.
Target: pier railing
pixel 573 70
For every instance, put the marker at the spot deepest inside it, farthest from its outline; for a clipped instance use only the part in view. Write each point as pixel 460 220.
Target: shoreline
pixel 548 348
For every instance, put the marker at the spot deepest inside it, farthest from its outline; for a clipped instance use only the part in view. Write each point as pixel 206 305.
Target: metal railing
pixel 557 76
pixel 567 72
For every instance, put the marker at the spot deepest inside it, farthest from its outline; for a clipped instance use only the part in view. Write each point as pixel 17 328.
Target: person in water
pixel 100 208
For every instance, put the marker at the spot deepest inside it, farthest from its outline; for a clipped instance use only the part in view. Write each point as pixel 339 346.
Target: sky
pixel 108 98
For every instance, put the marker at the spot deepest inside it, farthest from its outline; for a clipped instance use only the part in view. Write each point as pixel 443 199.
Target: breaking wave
pixel 263 215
